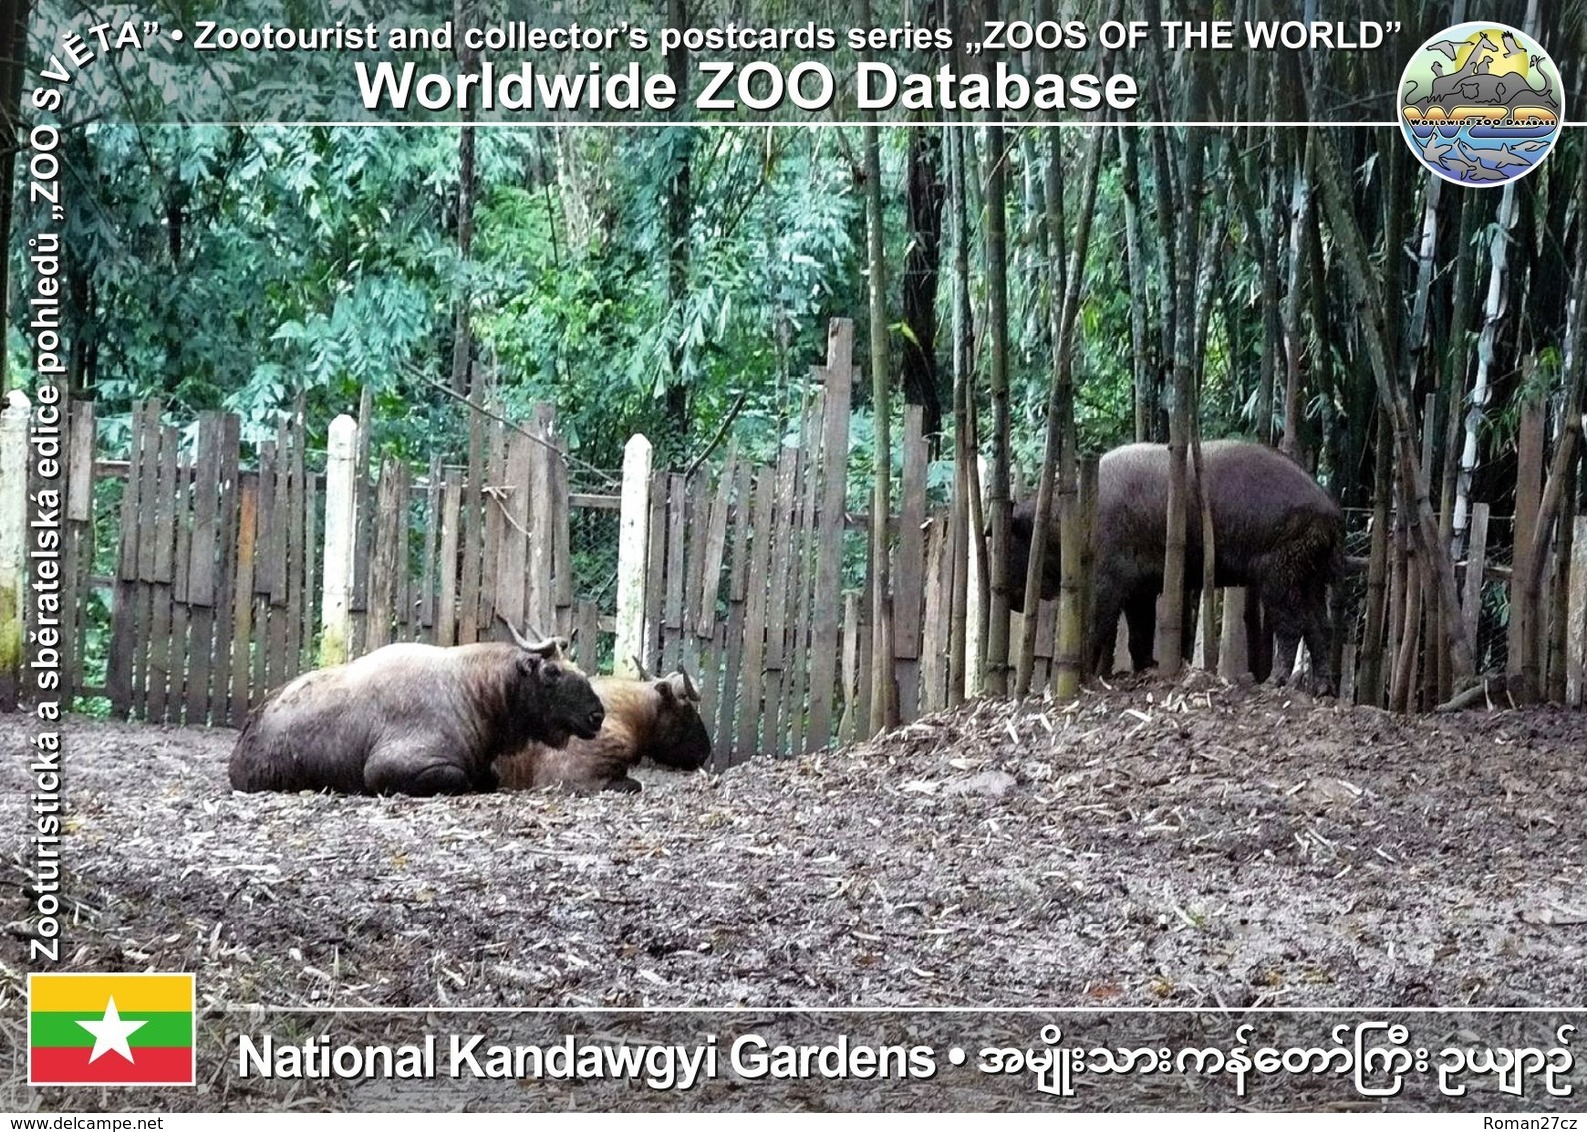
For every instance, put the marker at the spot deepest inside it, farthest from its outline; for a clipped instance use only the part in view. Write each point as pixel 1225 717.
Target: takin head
pixel 553 696
pixel 665 723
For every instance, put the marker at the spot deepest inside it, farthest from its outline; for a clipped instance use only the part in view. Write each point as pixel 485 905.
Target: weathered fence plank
pixel 203 566
pixel 838 376
pixel 560 500
pixel 341 496
pixel 175 595
pixel 424 613
pixel 934 623
pixel 633 555
pixel 764 531
pixel 383 560
pixel 157 579
pixel 656 568
pixel 909 572
pixel 217 705
pixel 243 596
pixel 446 616
pixel 672 602
pixel 848 721
pixel 777 600
pixel 803 581
pixel 737 595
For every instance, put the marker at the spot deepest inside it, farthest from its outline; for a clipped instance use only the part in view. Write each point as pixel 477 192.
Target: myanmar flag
pixel 110 1029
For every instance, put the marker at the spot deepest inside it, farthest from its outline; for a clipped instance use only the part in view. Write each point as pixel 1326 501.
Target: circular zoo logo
pixel 1481 103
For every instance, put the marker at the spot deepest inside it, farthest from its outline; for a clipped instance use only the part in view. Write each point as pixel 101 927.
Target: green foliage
pixel 573 297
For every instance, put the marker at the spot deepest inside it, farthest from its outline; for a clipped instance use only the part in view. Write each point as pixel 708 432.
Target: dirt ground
pixel 1200 845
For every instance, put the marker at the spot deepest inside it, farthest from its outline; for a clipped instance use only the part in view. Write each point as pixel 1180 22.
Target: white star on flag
pixel 111 1033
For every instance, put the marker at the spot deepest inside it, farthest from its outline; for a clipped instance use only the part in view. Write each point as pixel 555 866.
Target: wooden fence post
pixel 341 464
pixel 633 554
pixel 825 639
pixel 13 542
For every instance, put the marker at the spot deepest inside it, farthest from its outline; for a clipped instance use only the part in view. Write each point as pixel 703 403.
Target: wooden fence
pixel 225 576
pixel 229 576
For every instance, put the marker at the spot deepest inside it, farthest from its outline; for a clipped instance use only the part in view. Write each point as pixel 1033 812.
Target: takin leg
pixel 415 768
pixel 1318 632
pixel 1285 625
pixel 1258 643
pixel 1140 615
pixel 1107 603
pixel 1293 619
pixel 440 779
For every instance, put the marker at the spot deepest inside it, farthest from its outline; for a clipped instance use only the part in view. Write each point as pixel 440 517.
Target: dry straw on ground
pixel 1194 845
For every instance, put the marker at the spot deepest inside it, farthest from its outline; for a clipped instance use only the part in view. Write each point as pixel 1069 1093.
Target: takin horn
pixel 545 646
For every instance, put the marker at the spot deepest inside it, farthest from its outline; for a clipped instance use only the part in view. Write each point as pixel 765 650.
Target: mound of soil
pixel 1194 845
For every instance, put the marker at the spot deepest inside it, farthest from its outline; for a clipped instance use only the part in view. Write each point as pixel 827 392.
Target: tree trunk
pixel 1171 616
pixel 1211 260
pixel 1369 689
pixel 884 700
pixel 1300 227
pixel 1401 690
pixel 922 262
pixel 1167 274
pixel 1492 316
pixel 1146 400
pixel 462 333
pixel 1561 470
pixel 1414 357
pixel 995 665
pixel 680 208
pixel 964 534
pixel 1059 458
pixel 1454 385
pixel 1559 619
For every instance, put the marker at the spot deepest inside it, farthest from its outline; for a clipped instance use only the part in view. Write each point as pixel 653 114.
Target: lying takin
pixel 645 719
pixel 415 719
pixel 1274 529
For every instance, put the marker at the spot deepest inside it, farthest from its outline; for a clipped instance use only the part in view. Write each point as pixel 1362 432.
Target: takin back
pixel 415 719
pixel 654 719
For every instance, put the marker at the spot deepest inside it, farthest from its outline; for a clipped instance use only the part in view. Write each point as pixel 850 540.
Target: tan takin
pixel 645 719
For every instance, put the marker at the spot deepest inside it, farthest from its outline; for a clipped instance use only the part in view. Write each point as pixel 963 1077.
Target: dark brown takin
pixel 1274 530
pixel 415 719
pixel 645 719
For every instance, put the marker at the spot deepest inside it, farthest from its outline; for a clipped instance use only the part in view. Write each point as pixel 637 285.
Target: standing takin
pixel 415 719
pixel 654 719
pixel 1274 530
